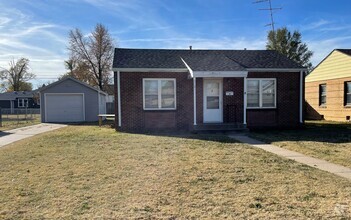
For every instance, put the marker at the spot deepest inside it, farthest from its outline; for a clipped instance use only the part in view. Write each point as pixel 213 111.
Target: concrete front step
pixel 220 127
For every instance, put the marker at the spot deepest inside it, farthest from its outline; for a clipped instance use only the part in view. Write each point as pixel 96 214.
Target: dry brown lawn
pixel 326 140
pixel 90 172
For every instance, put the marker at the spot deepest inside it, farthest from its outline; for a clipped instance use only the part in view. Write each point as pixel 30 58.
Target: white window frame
pixel 160 94
pixel 23 103
pixel 260 93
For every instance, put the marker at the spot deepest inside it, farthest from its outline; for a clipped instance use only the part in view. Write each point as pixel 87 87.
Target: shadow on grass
pixel 317 131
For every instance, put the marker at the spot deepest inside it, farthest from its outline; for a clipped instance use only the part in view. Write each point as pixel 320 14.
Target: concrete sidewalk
pixel 10 136
pixel 301 158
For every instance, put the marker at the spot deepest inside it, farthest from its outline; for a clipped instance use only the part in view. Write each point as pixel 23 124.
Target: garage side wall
pixel 91 99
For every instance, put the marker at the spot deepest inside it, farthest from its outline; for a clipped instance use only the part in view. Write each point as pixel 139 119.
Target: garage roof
pixel 73 79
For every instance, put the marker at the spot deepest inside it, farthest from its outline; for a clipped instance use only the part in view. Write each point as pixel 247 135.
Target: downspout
pixel 245 101
pixel 194 90
pixel 301 96
pixel 119 98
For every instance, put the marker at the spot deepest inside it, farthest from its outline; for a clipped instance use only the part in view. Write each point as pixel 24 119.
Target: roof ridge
pixel 170 49
pixel 242 65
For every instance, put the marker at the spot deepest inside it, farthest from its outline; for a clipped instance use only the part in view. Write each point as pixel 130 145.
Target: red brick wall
pixel 233 106
pixel 288 99
pixel 134 118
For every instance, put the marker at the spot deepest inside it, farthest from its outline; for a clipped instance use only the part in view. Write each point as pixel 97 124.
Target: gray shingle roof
pixel 201 60
pixel 346 51
pixel 17 94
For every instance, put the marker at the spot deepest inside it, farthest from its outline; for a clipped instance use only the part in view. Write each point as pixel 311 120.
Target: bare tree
pixel 17 76
pixel 91 55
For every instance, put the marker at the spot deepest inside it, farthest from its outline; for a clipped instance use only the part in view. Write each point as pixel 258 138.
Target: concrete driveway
pixel 10 136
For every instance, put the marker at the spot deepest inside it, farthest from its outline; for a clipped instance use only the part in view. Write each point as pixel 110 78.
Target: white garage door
pixel 64 107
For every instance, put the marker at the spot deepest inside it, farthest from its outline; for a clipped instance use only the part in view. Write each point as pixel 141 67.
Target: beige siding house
pixel 328 88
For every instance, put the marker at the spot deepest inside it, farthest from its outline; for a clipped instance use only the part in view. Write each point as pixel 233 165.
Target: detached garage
pixel 70 100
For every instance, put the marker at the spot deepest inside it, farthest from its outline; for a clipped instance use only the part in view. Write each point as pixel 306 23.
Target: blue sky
pixel 38 29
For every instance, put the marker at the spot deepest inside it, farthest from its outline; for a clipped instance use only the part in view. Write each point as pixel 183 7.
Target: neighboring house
pixel 109 89
pixel 110 99
pixel 206 89
pixel 70 100
pixel 19 100
pixel 328 88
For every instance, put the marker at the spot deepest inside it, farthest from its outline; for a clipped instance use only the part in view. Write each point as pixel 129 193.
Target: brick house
pixel 328 88
pixel 158 89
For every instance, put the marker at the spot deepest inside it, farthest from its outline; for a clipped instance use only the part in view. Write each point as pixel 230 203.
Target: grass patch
pixel 91 172
pixel 326 140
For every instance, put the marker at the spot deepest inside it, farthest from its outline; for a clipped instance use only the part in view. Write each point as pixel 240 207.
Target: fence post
pixel 0 118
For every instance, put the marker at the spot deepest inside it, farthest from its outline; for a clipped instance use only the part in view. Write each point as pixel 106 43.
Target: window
pixel 261 93
pixel 348 93
pixel 22 103
pixel 159 94
pixel 322 94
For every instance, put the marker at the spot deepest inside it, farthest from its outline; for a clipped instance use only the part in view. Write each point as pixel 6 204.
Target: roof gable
pixel 336 65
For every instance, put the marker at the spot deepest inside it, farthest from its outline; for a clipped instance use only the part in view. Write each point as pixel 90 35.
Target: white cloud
pixel 315 25
pixel 40 42
pixel 322 48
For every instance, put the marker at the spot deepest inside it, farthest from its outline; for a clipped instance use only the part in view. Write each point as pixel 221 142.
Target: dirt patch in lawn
pixel 326 140
pixel 91 172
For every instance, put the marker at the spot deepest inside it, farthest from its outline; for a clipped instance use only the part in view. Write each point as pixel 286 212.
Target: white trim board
pixel 217 74
pixel 150 70
pixel 275 70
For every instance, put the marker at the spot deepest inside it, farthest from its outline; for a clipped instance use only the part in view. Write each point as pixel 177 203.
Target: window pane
pixel 212 102
pixel 268 93
pixel 212 89
pixel 348 87
pixel 348 99
pixel 253 93
pixel 322 94
pixel 167 94
pixel 151 101
pixel 151 87
pixel 151 93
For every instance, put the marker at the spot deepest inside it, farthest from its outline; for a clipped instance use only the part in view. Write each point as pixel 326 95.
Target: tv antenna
pixel 270 9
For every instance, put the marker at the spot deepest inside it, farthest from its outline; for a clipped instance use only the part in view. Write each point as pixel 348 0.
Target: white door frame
pixel 48 94
pixel 220 99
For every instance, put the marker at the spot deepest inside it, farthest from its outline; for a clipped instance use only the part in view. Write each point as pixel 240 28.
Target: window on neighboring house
pixel 22 103
pixel 348 93
pixel 261 93
pixel 322 94
pixel 159 94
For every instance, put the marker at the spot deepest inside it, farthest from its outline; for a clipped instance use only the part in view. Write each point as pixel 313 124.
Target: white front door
pixel 213 108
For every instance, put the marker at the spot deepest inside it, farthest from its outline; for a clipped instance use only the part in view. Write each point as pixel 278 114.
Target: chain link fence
pixel 14 118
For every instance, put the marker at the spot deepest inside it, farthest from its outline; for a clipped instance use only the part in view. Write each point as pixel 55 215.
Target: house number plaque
pixel 229 93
